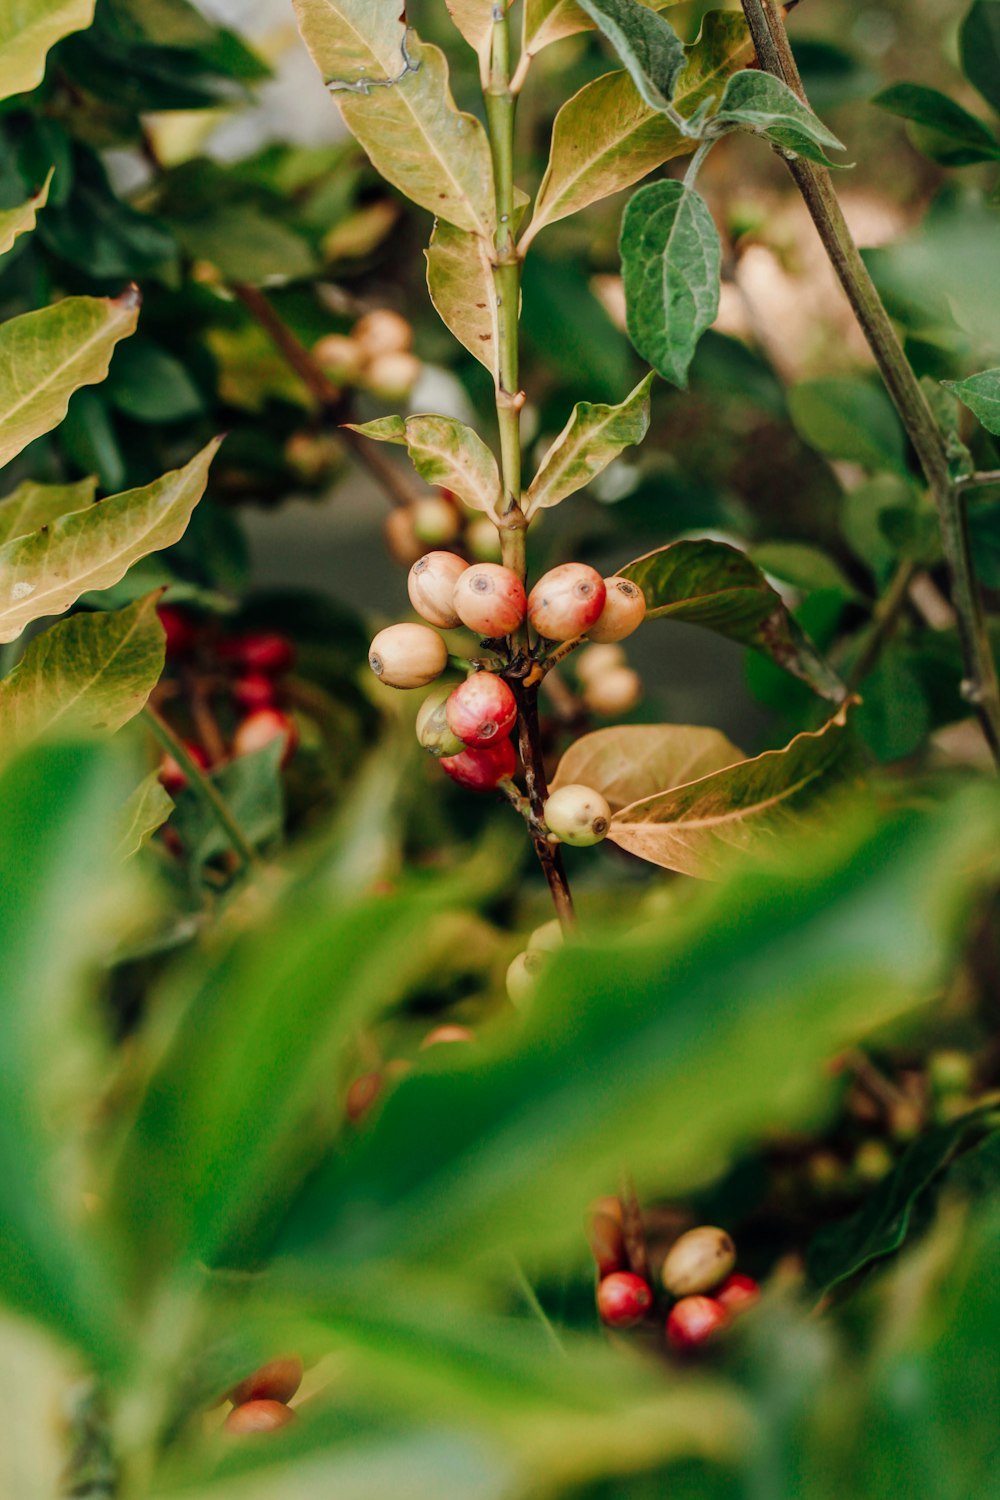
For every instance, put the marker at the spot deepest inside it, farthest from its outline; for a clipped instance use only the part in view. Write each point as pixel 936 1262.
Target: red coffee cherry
pixel 407 656
pixel 180 631
pixel 258 1417
pixel 482 770
pixel 254 690
pixel 262 728
pixel 624 611
pixel 172 777
pixel 737 1293
pixel 264 652
pixel 433 732
pixel 698 1261
pixel 578 815
pixel 278 1380
pixel 490 600
pixel 623 1299
pixel 694 1320
pixel 566 601
pixel 431 587
pixel 481 709
pixel 362 1095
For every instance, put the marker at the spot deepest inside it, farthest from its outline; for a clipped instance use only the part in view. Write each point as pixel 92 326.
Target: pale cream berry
pixel 407 656
pixel 431 587
pixel 340 356
pixel 383 332
pixel 566 601
pixel 594 661
pixel 436 520
pixel 522 978
pixel 624 611
pixel 490 600
pixel 613 693
pixel 578 815
pixel 698 1261
pixel 548 938
pixel 392 376
pixel 400 537
pixel 483 540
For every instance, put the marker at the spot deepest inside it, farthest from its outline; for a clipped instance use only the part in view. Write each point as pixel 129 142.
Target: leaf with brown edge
pixel 626 762
pixel 547 21
pixel 696 828
pixel 460 281
pixel 474 19
pixel 712 584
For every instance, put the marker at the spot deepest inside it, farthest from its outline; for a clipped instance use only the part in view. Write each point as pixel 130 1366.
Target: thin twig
pixel 202 787
pixel 981 481
pixel 886 614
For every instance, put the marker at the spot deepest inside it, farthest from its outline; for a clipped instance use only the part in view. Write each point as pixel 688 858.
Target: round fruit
pixel 180 631
pixel 431 587
pixel 481 709
pixel 254 690
pixel 595 661
pixel 340 356
pixel 362 1095
pixel 264 727
pixel 400 537
pixel 172 777
pixel 261 651
pixel 382 332
pixel 258 1417
pixel 483 540
pixel 607 1243
pixel 407 656
pixel 698 1261
pixel 694 1320
pixel 613 692
pixel 445 1034
pixel 623 1299
pixel 393 376
pixel 547 938
pixel 522 977
pixel 278 1380
pixel 578 815
pixel 432 724
pixel 482 770
pixel 737 1293
pixel 490 600
pixel 566 601
pixel 624 611
pixel 435 520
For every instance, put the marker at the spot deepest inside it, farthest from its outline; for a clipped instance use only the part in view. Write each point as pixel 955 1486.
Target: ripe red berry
pixel 623 1299
pixel 258 1417
pixel 254 690
pixel 624 611
pixel 180 630
pixel 481 709
pixel 694 1320
pixel 259 652
pixel 490 600
pixel 431 587
pixel 172 777
pixel 278 1380
pixel 262 728
pixel 737 1293
pixel 566 601
pixel 482 770
pixel 407 656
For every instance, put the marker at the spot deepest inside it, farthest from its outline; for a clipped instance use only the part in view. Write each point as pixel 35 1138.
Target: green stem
pixel 981 687
pixel 202 787
pixel 887 611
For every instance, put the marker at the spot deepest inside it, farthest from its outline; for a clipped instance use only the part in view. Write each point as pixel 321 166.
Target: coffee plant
pixel 499 1087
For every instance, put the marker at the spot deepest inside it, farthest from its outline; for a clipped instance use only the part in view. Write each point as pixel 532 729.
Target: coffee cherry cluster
pixel 260 1402
pixel 608 685
pixel 377 355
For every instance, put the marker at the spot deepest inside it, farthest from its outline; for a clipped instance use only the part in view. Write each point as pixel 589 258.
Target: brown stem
pixel 981 687
pixel 549 855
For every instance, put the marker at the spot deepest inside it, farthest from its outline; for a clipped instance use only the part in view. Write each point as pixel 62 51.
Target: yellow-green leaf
pixel 45 356
pixel 146 810
pixel 47 571
pixel 91 672
pixel 460 281
pixel 548 21
pixel 33 505
pixel 444 452
pixel 356 44
pixel 28 28
pixel 16 221
pixel 626 762
pixel 592 438
pixel 696 827
pixel 606 137
pixel 474 19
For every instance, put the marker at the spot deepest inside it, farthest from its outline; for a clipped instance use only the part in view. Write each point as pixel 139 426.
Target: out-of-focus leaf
pixel 849 419
pixel 34 1387
pixel 238 227
pixel 979 42
pixel 445 452
pixel 28 28
pixel 44 572
pixel 90 673
pixel 947 133
pixel 251 787
pixel 893 717
pixel 150 385
pixel 33 505
pixel 593 437
pixel 99 232
pixel 627 761
pixel 45 356
pixel 712 584
pixel 760 102
pixel 19 220
pixel 671 261
pixel 696 828
pixel 802 566
pixel 981 394
pixel 567 325
pixel 146 810
pixel 460 281
pixel 646 43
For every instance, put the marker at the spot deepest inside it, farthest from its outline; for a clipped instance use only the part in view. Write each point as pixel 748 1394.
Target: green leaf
pixel 981 394
pixel 19 220
pixel 32 505
pixel 712 584
pixel 356 44
pixel 646 43
pixel 607 137
pixel 979 42
pixel 45 356
pixel 628 761
pixel 592 438
pixel 148 808
pixel 445 452
pixel 28 28
pixel 460 281
pixel 844 1248
pixel 766 105
pixel 89 673
pixel 671 263
pixel 44 572
pixel 696 828
pixel 150 385
pixel 852 420
pixel 252 789
pixel 742 1000
pixel 948 134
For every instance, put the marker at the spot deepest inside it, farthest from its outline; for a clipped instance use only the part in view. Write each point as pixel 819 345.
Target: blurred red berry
pixel 278 1380
pixel 481 770
pixel 623 1299
pixel 258 1417
pixel 694 1320
pixel 361 1095
pixel 180 630
pixel 264 727
pixel 172 777
pixel 264 652
pixel 254 690
pixel 737 1293
pixel 607 1242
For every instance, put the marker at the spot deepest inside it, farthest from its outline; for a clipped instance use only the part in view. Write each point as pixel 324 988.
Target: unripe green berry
pixel 433 732
pixel 698 1261
pixel 522 978
pixel 407 656
pixel 950 1072
pixel 548 938
pixel 578 815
